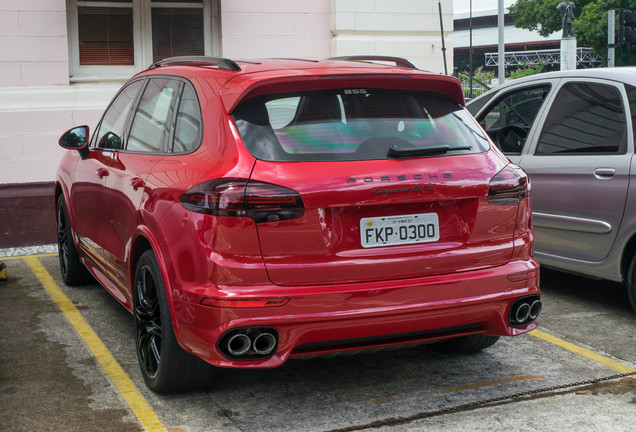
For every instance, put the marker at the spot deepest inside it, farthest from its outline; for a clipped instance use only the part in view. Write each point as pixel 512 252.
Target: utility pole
pixel 441 26
pixel 501 44
pixel 611 21
pixel 470 55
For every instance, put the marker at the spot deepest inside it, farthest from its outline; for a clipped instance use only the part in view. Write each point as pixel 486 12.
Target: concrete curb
pixel 28 250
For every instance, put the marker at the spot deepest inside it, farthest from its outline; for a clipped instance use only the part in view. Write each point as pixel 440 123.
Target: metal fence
pixel 478 87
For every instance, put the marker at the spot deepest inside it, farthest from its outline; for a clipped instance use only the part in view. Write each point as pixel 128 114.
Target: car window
pixel 188 128
pixel 151 126
pixel 585 118
pixel 510 118
pixel 476 104
pixel 110 133
pixel 355 124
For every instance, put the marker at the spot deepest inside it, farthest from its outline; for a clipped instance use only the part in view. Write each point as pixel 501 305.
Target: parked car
pixel 250 212
pixel 573 133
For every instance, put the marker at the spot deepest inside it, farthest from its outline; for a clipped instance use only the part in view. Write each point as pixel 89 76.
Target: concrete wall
pixel 33 46
pixel 37 103
pixel 403 28
pixel 275 28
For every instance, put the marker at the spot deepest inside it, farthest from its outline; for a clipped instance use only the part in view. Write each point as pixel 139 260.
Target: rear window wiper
pixel 395 151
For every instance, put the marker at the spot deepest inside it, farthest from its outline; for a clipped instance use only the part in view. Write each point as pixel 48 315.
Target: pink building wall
pixel 38 102
pixel 33 48
pixel 275 28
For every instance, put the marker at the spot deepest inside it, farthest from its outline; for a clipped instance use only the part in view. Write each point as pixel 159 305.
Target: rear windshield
pixel 356 124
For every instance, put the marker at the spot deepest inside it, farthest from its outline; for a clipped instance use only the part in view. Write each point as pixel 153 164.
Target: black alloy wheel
pixel 164 365
pixel 73 271
pixel 148 321
pixel 62 234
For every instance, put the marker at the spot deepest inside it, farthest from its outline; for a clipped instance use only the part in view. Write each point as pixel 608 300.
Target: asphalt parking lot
pixel 67 362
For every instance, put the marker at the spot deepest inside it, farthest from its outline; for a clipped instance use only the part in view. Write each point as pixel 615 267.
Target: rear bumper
pixel 336 318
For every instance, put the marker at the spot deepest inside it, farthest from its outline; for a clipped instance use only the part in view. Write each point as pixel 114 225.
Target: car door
pixel 91 172
pixel 579 162
pixel 126 186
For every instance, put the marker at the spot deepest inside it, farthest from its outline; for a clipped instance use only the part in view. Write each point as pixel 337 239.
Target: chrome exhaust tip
pixel 239 344
pixel 264 343
pixel 522 313
pixel 248 343
pixel 535 309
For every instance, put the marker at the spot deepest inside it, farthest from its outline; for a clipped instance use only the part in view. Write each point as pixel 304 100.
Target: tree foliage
pixel 539 15
pixel 590 23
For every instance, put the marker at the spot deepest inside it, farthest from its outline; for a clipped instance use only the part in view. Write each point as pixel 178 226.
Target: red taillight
pixel 263 202
pixel 509 186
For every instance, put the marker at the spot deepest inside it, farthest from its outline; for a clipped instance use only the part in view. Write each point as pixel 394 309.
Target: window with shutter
pixel 176 32
pixel 117 38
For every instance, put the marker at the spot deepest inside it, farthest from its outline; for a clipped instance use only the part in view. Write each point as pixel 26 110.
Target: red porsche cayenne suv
pixel 247 212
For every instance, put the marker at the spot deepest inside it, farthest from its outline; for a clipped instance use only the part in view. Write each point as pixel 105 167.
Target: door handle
pixel 604 173
pixel 102 172
pixel 136 183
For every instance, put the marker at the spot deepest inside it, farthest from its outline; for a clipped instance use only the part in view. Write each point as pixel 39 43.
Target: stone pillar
pixel 568 53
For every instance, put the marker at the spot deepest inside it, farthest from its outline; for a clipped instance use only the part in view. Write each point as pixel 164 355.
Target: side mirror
pixel 110 141
pixel 75 139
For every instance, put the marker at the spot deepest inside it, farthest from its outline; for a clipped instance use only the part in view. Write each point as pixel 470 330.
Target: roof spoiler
pixel 399 61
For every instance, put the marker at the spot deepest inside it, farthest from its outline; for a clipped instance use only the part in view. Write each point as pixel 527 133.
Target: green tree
pixel 540 15
pixel 590 24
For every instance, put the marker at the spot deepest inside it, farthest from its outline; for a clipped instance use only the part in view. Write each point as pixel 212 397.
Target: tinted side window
pixel 585 118
pixel 110 133
pixel 152 123
pixel 518 108
pixel 187 134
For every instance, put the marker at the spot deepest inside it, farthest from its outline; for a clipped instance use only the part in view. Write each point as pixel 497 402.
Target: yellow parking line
pixel 605 361
pixel 24 256
pixel 113 370
pixel 480 384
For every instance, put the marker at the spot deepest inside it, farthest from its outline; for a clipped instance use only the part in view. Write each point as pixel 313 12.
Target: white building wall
pixel 403 28
pixel 275 28
pixel 37 103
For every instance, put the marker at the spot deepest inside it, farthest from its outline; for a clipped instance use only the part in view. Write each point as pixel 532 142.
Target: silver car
pixel 573 133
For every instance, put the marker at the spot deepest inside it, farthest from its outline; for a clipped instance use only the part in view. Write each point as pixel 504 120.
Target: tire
pixel 73 271
pixel 465 344
pixel 164 365
pixel 631 284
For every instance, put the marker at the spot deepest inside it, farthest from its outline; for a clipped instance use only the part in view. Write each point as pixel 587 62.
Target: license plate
pixel 399 230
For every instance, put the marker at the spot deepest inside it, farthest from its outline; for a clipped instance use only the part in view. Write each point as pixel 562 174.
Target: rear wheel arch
pixel 628 270
pixel 143 242
pixel 629 253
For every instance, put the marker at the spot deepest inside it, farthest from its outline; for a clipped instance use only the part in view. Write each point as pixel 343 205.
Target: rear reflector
pixel 509 186
pixel 263 202
pixel 261 303
pixel 524 275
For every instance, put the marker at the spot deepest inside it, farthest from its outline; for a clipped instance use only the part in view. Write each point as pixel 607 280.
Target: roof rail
pixel 399 61
pixel 296 59
pixel 222 63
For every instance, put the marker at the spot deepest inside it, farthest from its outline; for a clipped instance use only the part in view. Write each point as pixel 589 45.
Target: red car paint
pixel 335 295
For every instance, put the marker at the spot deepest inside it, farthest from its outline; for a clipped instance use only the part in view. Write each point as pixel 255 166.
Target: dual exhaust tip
pixel 249 343
pixel 524 311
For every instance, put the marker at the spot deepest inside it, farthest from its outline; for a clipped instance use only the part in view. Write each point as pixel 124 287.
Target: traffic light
pixel 626 26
